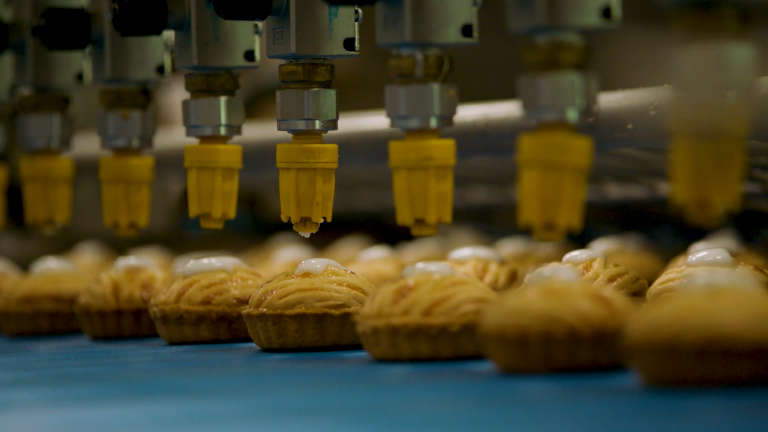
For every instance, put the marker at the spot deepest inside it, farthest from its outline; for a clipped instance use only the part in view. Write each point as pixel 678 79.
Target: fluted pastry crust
pixel 555 326
pixel 204 307
pixel 7 280
pixel 211 289
pixel 307 311
pixel 128 288
pixel 711 337
pixel 48 291
pixel 378 271
pixel 424 317
pixel 674 279
pixel 497 275
pixel 619 278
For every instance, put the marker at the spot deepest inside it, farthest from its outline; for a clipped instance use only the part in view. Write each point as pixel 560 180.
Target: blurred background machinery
pixel 675 76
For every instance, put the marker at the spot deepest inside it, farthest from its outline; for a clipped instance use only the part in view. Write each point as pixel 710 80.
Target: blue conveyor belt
pixel 72 384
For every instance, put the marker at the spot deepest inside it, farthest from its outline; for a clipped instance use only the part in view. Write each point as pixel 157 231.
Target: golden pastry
pixel 10 273
pixel 284 258
pixel 486 265
pixel 429 314
pixel 262 251
pixel 714 336
pixel 529 254
pixel 116 305
pixel 91 257
pixel 311 307
pixel 379 264
pixel 727 240
pixel 632 251
pixel 204 302
pixel 457 236
pixel 422 249
pixel 43 302
pixel 346 248
pixel 595 270
pixel 557 322
pixel 702 266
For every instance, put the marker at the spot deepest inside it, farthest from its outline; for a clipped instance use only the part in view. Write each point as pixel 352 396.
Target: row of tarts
pixel 701 319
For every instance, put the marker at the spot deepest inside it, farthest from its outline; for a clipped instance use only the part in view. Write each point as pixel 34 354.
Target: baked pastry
pixel 486 265
pixel 422 249
pixel 727 239
pixel 428 314
pixel 204 302
pixel 181 260
pixel 703 266
pixel 91 257
pixel 557 322
pixel 345 249
pixel 456 236
pixel 158 254
pixel 10 273
pixel 262 251
pixel 595 270
pixel 284 258
pixel 379 264
pixel 714 336
pixel 116 305
pixel 311 307
pixel 633 251
pixel 42 303
pixel 529 253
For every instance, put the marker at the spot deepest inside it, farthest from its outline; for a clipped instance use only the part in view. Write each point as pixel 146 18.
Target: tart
pixel 487 266
pixel 725 239
pixel 557 322
pixel 311 307
pixel 284 258
pixel 596 270
pixel 529 254
pixel 632 251
pixel 91 257
pixel 379 264
pixel 116 305
pixel 429 314
pixel 701 268
pixel 160 255
pixel 42 303
pixel 10 273
pixel 204 301
pixel 716 336
pixel 422 249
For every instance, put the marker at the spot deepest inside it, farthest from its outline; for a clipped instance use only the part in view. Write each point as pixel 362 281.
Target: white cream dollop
pixel 553 272
pixel 580 256
pixel 51 264
pixel 10 267
pixel 292 253
pixel 133 261
pixel 184 258
pixel 375 252
pixel 514 246
pixel 717 257
pixel 730 244
pixel 434 267
pixel 91 247
pixel 317 266
pixel 213 263
pixel 468 252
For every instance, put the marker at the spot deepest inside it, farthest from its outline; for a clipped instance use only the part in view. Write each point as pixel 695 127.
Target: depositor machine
pixel 572 144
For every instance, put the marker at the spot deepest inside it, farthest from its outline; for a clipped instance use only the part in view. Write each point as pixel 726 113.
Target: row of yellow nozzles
pixel 554 164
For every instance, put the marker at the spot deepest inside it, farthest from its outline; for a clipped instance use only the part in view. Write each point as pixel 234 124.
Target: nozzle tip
pixel 306 227
pixel 209 222
pixel 423 229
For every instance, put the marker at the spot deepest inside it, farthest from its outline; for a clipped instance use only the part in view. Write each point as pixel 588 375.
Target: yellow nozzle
pixel 126 191
pixel 553 173
pixel 212 181
pixel 46 187
pixel 5 175
pixel 705 178
pixel 307 181
pixel 422 180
